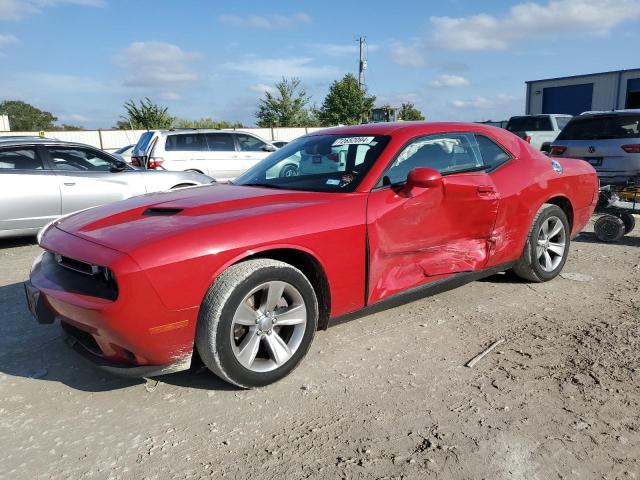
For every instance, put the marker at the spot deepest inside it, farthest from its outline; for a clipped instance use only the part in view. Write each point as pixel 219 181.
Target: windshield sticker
pixel 353 141
pixel 333 181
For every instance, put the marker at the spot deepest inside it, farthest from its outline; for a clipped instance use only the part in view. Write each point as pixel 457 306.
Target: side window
pixel 79 159
pixel 19 159
pixel 249 144
pixel 220 142
pixel 492 154
pixel 562 121
pixel 447 153
pixel 186 142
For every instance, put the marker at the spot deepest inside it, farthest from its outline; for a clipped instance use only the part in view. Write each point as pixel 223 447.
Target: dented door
pixel 432 233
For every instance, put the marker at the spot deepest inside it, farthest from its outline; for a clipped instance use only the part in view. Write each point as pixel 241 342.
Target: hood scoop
pixel 161 211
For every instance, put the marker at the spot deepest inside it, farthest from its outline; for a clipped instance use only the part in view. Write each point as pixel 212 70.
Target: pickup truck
pixel 538 130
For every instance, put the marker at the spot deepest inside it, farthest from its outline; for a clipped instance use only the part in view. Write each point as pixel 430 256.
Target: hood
pixel 138 221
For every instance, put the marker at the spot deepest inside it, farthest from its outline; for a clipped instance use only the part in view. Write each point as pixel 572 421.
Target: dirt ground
pixel 383 396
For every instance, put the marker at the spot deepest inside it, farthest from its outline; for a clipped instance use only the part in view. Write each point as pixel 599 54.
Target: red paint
pixel 434 227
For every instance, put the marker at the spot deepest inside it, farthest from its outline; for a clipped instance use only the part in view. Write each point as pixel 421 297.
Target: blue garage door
pixel 572 99
pixel 633 93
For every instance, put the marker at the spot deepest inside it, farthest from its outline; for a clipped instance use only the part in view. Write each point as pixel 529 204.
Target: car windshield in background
pixel 531 124
pixel 319 163
pixel 602 127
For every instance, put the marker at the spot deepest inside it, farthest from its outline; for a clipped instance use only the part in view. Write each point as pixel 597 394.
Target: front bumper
pixel 134 334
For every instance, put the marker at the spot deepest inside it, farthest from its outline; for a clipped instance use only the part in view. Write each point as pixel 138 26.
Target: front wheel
pixel 547 247
pixel 257 322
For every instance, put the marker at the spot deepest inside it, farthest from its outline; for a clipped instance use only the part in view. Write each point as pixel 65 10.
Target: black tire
pixel 629 222
pixel 528 266
pixel 609 228
pixel 289 170
pixel 213 333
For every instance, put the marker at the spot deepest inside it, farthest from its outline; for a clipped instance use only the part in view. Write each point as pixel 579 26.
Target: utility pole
pixel 362 65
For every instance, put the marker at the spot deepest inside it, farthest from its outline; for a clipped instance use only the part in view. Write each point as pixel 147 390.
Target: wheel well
pixel 312 269
pixel 565 205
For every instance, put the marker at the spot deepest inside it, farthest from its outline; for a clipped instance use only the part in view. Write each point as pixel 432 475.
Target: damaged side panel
pixel 432 234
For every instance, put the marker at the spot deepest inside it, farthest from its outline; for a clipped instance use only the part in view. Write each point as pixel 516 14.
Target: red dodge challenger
pixel 342 220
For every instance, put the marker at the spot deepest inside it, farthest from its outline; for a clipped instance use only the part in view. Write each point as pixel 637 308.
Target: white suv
pixel 221 154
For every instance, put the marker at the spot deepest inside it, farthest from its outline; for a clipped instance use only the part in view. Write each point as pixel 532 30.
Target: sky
pixel 459 60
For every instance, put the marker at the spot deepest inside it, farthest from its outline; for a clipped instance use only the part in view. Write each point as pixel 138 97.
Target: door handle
pixel 69 184
pixel 486 190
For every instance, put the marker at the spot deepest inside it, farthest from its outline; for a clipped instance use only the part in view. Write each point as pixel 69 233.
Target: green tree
pixel 286 107
pixel 25 117
pixel 346 103
pixel 205 123
pixel 409 112
pixel 146 115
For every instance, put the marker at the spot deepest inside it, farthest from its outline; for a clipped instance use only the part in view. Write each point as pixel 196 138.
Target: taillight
pixel 558 150
pixel 633 148
pixel 527 139
pixel 155 162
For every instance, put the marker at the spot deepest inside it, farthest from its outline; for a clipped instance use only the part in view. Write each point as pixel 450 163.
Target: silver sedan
pixel 42 179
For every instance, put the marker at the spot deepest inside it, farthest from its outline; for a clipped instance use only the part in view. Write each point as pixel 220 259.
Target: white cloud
pixel 272 68
pixel 498 107
pixel 339 49
pixel 449 81
pixel 262 88
pixel 409 55
pixel 6 39
pixel 19 9
pixel 156 65
pixel 532 20
pixel 267 22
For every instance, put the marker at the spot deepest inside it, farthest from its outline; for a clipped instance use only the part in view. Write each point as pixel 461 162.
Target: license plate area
pixel 595 161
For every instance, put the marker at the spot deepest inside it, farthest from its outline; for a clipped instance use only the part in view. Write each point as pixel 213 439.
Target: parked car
pixel 124 153
pixel 222 154
pixel 246 272
pixel 610 141
pixel 538 130
pixel 42 179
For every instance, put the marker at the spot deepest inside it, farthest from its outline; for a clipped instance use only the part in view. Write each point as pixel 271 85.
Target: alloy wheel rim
pixel 268 326
pixel 552 243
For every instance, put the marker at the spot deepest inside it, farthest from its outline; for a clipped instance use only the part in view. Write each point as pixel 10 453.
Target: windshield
pixel 318 163
pixel 602 127
pixel 531 124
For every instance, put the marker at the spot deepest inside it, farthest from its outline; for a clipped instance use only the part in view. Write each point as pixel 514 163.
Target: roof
pixel 417 128
pixel 612 112
pixel 26 140
pixel 585 75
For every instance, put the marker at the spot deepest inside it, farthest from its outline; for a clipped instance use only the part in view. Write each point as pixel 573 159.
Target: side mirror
pixel 423 178
pixel 269 148
pixel 118 166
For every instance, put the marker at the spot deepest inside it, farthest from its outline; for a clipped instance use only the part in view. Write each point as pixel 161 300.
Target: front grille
pixel 80 277
pixel 76 265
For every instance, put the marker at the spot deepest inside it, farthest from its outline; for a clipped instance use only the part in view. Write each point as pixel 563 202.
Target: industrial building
pixel 595 91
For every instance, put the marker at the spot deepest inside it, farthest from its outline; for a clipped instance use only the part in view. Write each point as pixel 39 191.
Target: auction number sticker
pixel 353 141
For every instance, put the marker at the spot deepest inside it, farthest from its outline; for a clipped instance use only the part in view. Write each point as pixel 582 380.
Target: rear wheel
pixel 547 247
pixel 609 228
pixel 257 322
pixel 629 222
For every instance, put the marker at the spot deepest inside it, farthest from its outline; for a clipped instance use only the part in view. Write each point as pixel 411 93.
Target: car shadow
pixel 37 352
pixel 590 237
pixel 17 242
